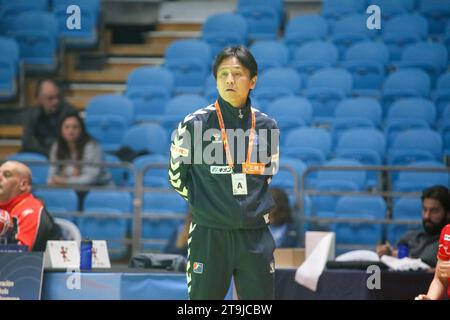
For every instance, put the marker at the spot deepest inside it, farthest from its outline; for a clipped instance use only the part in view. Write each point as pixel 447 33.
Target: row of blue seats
pixel 113 204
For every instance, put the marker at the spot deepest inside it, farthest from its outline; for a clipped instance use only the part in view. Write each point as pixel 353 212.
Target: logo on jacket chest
pixel 220 170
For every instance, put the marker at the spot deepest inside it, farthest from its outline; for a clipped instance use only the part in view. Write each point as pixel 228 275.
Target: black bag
pixel 169 262
pixel 127 154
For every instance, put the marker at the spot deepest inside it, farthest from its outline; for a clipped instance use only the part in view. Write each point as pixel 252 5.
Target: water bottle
pixel 86 255
pixel 403 251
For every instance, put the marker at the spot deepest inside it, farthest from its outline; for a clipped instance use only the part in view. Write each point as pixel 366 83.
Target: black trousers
pixel 217 255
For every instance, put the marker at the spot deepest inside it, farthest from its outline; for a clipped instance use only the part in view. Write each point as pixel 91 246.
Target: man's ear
pixel 253 82
pixel 24 185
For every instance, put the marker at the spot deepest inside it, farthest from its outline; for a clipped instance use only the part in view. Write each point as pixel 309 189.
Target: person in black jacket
pixel 222 160
pixel 284 230
pixel 42 122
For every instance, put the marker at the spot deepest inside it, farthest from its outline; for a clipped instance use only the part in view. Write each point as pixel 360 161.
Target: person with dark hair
pixel 222 160
pixel 34 225
pixel 74 143
pixel 41 122
pixel 424 243
pixel 282 225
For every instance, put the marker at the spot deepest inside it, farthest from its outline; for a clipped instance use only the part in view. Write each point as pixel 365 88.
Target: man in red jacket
pixel 34 224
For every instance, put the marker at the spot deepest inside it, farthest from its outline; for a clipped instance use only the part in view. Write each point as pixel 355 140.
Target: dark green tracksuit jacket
pixel 198 171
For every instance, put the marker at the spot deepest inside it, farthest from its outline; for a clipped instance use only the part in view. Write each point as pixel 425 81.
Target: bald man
pixel 34 224
pixel 42 123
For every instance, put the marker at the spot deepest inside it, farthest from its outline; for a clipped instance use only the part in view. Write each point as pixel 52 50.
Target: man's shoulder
pixel 201 114
pixel 265 119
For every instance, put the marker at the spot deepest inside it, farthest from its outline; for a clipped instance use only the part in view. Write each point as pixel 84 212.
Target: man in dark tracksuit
pixel 224 175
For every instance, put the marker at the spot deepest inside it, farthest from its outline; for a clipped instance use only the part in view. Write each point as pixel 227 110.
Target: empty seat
pixel 109 224
pixel 405 83
pixel 403 30
pixel 290 112
pixel 148 138
pixel 314 55
pixel 263 18
pixel 37 163
pixel 224 29
pixel 417 181
pixel 284 179
pixel 355 179
pixel 335 9
pixel 441 96
pixel 437 13
pixel 59 202
pixel 149 88
pixel 367 62
pixel 391 8
pixel 10 11
pixel 276 83
pixel 415 145
pixel 154 177
pixel 325 89
pixel 107 119
pixel 270 54
pixel 9 68
pixel 190 62
pixel 305 28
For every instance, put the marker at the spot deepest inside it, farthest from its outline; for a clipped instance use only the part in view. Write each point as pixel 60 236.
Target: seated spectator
pixel 41 122
pixel 74 143
pixel 440 281
pixel 284 230
pixel 424 243
pixel 177 243
pixel 33 224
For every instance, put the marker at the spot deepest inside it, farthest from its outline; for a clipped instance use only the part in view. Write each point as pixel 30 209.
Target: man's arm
pixel 437 288
pixel 274 150
pixel 180 158
pixel 29 141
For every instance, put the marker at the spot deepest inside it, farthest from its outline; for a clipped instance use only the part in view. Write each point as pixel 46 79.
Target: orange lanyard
pixel 230 162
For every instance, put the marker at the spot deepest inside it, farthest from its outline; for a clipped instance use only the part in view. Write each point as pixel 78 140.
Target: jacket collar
pixel 9 205
pixel 235 113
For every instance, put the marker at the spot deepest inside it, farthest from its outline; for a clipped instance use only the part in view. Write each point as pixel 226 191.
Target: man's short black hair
pixel 244 56
pixel 439 193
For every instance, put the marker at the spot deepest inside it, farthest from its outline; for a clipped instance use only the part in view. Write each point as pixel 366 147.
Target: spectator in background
pixel 34 225
pixel 283 228
pixel 424 243
pixel 41 122
pixel 74 143
pixel 177 243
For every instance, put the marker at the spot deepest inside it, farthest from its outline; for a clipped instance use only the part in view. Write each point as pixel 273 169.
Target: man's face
pixel 49 97
pixel 434 217
pixel 234 82
pixel 11 182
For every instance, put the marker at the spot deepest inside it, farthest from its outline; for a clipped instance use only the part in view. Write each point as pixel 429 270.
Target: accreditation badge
pixel 239 182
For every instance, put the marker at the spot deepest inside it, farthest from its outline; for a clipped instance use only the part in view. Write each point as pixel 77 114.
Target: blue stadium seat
pixel 430 57
pixel 370 207
pixel 87 35
pixel 417 181
pixel 405 83
pixel 224 29
pixel 284 179
pixel 313 56
pixel 120 175
pixel 10 11
pixel 114 228
pixel 415 145
pixel 441 96
pixel 335 9
pixel 311 145
pixel 350 30
pixel 367 62
pixel 444 129
pixel 446 38
pixel 302 29
pixel 9 68
pixel 391 8
pixel 263 18
pixel 437 13
pixel 59 202
pixel 149 88
pixel 160 227
pixel 39 170
pixel 179 107
pixel 190 62
pixel 107 118
pixel 270 54
pixel 325 89
pixel 409 113
pixel 38 46
pixel 351 179
pixel 367 146
pixel 146 137
pixel 407 208
pixel 403 30
pixel 290 112
pixel 153 177
pixel 276 83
